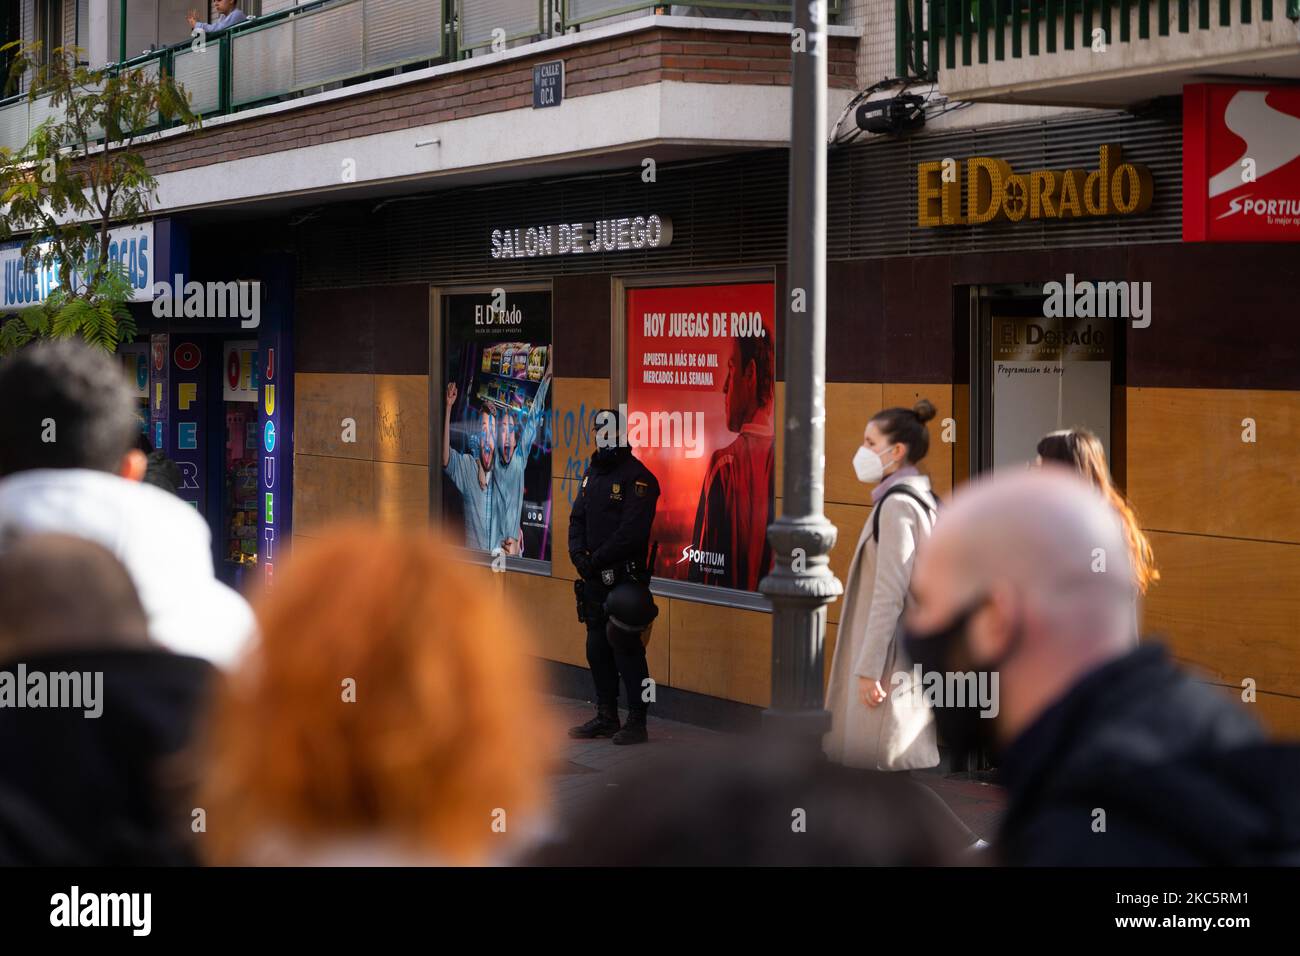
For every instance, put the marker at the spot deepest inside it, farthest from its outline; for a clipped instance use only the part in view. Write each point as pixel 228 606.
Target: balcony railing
pixel 965 32
pixel 319 44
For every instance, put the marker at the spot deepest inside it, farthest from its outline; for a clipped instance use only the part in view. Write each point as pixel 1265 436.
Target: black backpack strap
pixel 927 501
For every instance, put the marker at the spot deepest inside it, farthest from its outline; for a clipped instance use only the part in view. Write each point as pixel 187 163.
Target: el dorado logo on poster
pixel 486 315
pixel 994 192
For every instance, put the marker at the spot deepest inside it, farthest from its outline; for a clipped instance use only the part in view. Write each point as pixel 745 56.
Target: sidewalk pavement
pixel 587 767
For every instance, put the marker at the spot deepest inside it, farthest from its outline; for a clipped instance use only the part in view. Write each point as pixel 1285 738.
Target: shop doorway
pixel 1033 372
pixel 236 532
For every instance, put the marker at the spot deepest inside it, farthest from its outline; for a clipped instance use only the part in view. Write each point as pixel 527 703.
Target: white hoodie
pixel 163 542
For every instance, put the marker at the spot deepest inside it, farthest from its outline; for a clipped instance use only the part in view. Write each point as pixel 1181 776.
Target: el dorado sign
pixel 994 192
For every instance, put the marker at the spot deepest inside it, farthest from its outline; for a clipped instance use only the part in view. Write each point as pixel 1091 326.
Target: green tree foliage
pixel 77 177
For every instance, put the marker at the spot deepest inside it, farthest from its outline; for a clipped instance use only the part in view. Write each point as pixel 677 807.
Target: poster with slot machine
pixel 497 452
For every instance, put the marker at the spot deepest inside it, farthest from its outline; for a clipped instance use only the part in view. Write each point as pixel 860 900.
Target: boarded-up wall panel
pixel 330 489
pixel 323 403
pixel 401 494
pixel 1230 607
pixel 1189 469
pixel 546 605
pixel 402 418
pixel 848 407
pixel 722 652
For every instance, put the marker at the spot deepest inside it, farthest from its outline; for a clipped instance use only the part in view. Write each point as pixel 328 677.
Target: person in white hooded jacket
pixel 69 464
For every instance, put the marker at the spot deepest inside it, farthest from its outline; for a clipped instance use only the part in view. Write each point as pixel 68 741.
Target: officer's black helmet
pixel 631 607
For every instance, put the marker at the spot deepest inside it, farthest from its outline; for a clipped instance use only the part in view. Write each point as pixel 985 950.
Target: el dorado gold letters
pixel 995 193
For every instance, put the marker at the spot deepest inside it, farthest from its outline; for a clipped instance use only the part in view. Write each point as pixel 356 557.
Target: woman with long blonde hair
pixel 391 711
pixel 1082 451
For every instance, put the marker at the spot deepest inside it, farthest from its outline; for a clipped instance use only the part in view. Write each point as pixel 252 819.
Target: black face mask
pixel 605 455
pixel 945 651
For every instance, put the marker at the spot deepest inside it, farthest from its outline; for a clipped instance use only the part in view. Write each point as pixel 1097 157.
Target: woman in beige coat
pixel 878 720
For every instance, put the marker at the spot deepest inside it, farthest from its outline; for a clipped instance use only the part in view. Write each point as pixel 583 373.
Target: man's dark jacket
pixel 109 790
pixel 1181 771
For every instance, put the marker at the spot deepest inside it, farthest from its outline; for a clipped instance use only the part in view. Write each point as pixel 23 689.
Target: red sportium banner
pixel 1241 163
pixel 700 391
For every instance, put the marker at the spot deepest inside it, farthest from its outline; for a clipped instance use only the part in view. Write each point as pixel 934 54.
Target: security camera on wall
pixel 898 114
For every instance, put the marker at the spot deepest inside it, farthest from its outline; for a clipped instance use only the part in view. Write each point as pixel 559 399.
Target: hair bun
pixel 923 410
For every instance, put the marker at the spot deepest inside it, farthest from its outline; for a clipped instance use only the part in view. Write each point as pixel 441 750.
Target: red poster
pixel 700 390
pixel 1241 163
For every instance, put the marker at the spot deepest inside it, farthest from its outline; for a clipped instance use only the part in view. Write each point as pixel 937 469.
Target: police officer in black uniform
pixel 609 536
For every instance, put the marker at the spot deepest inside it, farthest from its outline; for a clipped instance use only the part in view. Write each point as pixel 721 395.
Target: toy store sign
pixel 130 247
pixel 583 238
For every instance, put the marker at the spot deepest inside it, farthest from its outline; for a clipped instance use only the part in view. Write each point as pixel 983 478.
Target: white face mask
pixel 868 465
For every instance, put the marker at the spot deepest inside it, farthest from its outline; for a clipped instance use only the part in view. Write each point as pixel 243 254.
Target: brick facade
pixel 648 56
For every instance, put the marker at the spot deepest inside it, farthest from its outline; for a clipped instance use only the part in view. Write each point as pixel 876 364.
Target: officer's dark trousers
pixel 607 663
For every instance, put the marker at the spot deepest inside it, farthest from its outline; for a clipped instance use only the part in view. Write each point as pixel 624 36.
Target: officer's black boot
pixel 604 724
pixel 633 731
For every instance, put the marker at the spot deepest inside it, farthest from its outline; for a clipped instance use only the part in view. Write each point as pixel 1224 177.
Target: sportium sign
pixel 994 192
pixel 1241 163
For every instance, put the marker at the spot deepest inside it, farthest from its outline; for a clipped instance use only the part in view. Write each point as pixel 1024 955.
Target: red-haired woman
pixel 390 713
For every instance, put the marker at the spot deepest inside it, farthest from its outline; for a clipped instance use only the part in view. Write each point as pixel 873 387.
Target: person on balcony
pixel 228 14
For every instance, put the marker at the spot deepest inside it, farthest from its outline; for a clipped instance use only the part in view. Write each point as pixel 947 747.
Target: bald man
pixel 1111 756
pixel 95 783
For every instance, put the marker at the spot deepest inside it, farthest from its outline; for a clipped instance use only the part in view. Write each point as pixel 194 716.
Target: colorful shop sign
pixel 188 436
pixel 274 386
pixel 1241 163
pixel 239 371
pixel 996 193
pixel 159 391
pixel 128 246
pixel 274 454
pixel 135 366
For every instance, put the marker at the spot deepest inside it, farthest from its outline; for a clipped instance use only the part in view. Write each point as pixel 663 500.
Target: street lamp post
pixel 801 583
